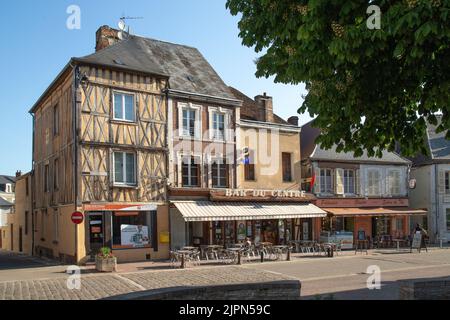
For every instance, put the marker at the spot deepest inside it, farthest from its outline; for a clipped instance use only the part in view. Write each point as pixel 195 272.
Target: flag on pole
pixel 313 180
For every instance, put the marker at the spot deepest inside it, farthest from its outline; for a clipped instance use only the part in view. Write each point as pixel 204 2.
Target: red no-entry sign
pixel 77 217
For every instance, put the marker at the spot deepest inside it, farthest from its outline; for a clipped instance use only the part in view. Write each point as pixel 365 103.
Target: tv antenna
pixel 124 32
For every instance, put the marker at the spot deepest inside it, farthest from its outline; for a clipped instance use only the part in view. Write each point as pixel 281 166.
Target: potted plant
pixel 105 260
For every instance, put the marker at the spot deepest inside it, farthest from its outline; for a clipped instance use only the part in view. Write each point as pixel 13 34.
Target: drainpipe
pixel 32 189
pixel 436 200
pixel 76 80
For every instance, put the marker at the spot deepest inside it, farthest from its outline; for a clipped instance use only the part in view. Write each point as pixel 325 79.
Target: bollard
pixel 239 257
pixel 262 256
pixel 289 255
pixel 182 262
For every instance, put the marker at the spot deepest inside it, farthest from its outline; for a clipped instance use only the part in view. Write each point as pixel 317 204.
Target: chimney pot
pixel 18 173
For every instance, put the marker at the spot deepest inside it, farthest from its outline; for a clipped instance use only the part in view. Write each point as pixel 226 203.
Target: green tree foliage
pixel 367 88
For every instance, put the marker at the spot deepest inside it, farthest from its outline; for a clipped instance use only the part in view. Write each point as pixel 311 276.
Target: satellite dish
pixel 121 25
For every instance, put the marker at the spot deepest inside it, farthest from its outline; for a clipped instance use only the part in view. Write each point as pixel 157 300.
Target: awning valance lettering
pixel 228 211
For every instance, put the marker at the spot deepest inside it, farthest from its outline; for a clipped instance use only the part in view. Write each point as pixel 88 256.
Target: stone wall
pixel 286 290
pixel 425 290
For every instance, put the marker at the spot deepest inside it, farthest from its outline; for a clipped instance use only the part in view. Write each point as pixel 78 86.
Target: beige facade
pixel 17 234
pixel 266 144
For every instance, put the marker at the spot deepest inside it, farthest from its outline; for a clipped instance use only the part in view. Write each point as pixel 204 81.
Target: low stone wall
pixel 425 290
pixel 285 290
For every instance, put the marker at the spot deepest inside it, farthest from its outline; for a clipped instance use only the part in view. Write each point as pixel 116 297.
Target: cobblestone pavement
pixel 101 286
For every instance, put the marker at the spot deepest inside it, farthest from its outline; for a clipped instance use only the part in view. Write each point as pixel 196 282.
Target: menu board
pixel 417 241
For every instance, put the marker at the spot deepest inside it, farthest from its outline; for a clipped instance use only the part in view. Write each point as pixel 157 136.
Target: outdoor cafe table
pixel 189 248
pixel 184 254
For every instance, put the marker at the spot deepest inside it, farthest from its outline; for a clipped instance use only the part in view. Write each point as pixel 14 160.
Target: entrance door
pixel 306 226
pixel 96 233
pixel 20 240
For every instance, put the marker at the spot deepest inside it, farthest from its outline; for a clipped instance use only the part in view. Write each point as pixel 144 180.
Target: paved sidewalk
pixel 97 286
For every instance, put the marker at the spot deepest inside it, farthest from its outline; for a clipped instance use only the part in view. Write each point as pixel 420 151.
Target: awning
pixel 226 211
pixel 373 212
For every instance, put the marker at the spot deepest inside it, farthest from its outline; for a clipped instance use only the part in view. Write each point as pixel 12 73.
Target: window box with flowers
pixel 105 261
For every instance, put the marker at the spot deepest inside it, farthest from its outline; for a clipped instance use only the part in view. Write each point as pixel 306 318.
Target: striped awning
pixel 373 212
pixel 227 211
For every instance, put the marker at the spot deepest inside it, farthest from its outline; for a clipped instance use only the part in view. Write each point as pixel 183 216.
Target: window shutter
pixel 441 182
pixel 357 182
pixel 339 181
pixel 333 180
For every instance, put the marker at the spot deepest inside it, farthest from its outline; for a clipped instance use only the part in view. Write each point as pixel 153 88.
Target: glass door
pixel 96 233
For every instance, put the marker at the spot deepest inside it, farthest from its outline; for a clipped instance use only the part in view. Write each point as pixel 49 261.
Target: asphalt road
pixel 20 267
pixel 346 277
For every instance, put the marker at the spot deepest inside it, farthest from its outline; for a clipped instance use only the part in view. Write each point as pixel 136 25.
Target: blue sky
pixel 36 45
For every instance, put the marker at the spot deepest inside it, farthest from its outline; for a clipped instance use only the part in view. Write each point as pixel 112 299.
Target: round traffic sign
pixel 77 217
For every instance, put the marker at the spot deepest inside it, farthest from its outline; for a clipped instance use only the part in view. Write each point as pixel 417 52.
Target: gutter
pixel 76 79
pixel 203 97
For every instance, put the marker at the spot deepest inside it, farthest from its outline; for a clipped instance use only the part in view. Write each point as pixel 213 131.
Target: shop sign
pixel 134 236
pixel 264 193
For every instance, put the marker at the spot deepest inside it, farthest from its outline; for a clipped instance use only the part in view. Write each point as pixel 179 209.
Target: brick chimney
pixel 293 121
pixel 18 173
pixel 266 105
pixel 105 37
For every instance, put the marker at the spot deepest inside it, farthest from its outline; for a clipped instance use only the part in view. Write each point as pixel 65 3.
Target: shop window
pixel 349 181
pixel 132 229
pixel 219 173
pixel 286 160
pixel 326 181
pixel 399 224
pixel 124 168
pixel 373 182
pixel 191 172
pixel 229 233
pixel 124 109
pixel 217 227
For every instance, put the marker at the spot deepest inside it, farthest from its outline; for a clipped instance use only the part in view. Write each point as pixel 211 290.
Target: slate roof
pixel 7 179
pixel 332 155
pixel 250 110
pixel 188 70
pixel 4 203
pixel 438 146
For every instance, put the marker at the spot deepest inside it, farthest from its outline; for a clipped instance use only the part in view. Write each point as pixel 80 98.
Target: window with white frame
pixel 373 182
pixel 219 170
pixel 218 126
pixel 189 120
pixel 124 107
pixel 394 182
pixel 326 181
pixel 124 168
pixel 190 172
pixel 349 181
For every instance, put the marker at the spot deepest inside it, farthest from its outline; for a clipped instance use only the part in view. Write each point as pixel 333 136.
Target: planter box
pixel 106 265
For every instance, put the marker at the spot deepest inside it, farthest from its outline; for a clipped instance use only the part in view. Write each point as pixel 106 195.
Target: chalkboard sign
pixel 361 235
pixel 417 241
